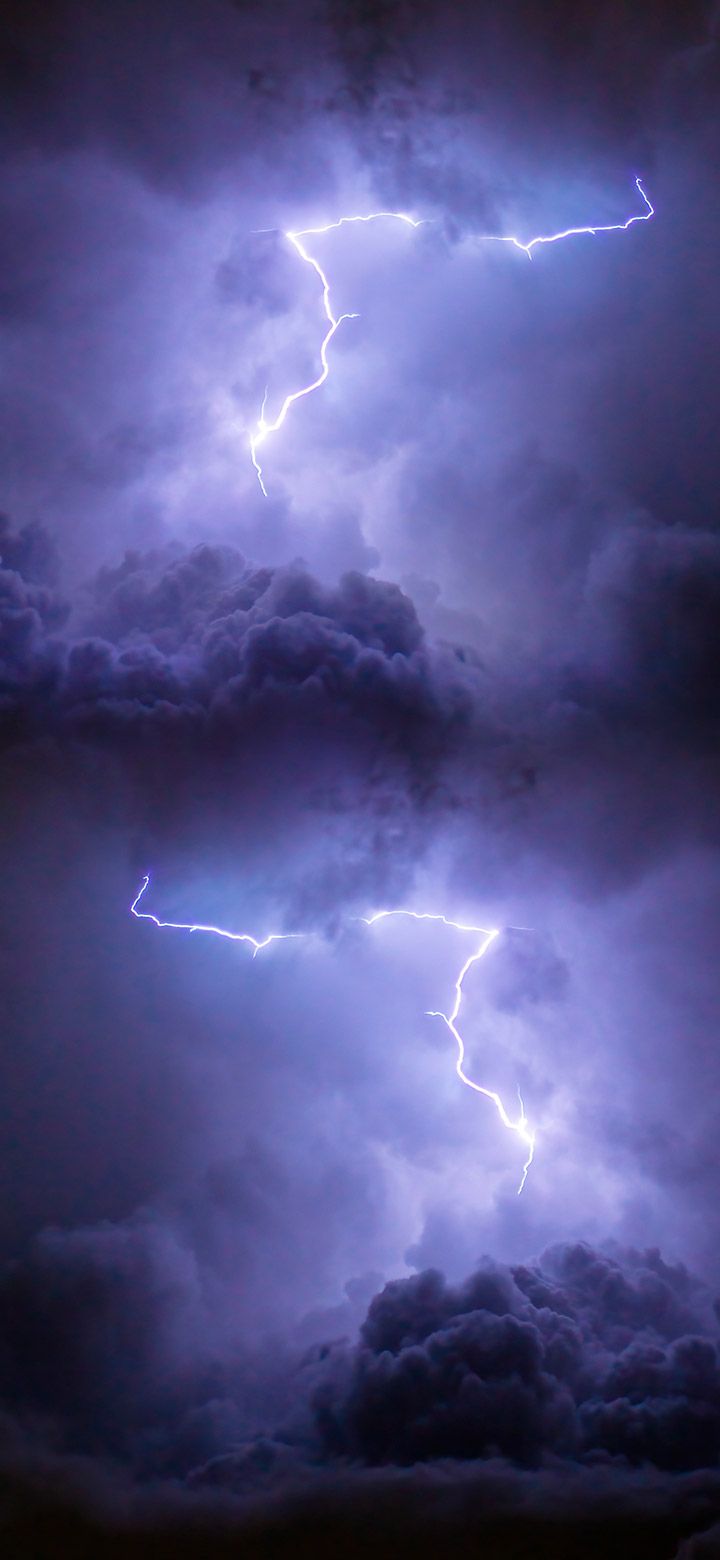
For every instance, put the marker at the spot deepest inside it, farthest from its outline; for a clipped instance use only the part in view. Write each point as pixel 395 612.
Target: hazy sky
pixel 462 659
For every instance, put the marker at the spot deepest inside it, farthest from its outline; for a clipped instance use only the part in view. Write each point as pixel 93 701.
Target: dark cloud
pixel 597 1370
pixel 656 595
pixel 425 82
pixel 245 675
pixel 29 552
pixel 175 91
pixel 582 1355
pixel 87 1319
pixel 203 653
pixel 581 1343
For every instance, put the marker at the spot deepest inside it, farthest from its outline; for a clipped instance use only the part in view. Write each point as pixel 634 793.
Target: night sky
pixel 266 1282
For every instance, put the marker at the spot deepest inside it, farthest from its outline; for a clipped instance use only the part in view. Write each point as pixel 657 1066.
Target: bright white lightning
pixel 573 232
pixel 519 1126
pixel 217 931
pixel 487 936
pixel 264 428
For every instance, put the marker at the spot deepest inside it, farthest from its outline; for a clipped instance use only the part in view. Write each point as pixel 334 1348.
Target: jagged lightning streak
pixel 519 1126
pixel 573 232
pixel 217 931
pixel 264 427
pixel 487 936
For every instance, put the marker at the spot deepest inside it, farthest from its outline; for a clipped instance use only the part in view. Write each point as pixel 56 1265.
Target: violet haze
pixel 456 654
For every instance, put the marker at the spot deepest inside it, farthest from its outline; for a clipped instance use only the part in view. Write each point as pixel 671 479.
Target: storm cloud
pixel 461 660
pixel 581 1373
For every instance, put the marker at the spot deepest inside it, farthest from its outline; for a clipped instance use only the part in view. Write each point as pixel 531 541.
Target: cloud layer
pixel 464 658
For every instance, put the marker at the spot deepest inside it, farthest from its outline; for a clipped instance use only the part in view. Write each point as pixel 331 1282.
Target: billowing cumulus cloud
pixel 585 1370
pixel 227 665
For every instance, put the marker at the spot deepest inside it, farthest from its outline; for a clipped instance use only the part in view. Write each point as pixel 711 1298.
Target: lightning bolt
pixel 488 936
pixel 265 427
pixel 217 931
pixel 573 232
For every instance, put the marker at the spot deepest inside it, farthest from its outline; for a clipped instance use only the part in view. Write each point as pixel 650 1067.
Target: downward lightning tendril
pixel 334 321
pixel 519 1125
pixel 265 427
pixel 488 936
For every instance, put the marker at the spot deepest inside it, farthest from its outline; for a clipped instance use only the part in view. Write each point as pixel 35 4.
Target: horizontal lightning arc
pixel 197 926
pixel 573 232
pixel 519 1126
pixel 264 427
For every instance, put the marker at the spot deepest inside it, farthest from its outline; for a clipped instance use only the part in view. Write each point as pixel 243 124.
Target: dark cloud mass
pixel 599 1369
pixel 463 659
